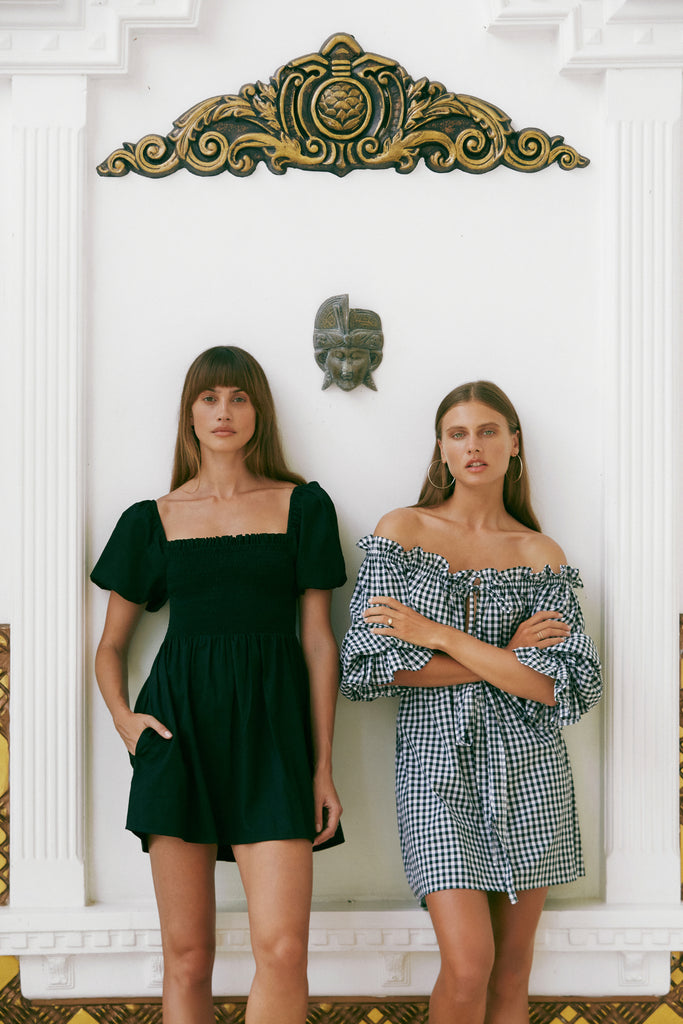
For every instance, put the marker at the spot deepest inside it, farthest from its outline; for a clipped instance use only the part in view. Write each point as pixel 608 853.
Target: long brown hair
pixel 230 366
pixel 516 492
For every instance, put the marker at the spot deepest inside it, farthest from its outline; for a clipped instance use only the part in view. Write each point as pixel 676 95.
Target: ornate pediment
pixel 341 110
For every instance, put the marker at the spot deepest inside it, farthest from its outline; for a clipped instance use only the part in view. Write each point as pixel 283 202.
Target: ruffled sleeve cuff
pixel 369 664
pixel 575 667
pixel 370 660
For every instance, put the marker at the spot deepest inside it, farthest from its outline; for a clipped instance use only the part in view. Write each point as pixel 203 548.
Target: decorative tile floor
pixel 14 1009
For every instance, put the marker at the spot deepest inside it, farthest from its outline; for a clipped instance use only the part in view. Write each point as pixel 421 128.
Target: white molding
pixel 594 35
pixel 591 926
pixel 363 951
pixel 641 273
pixel 82 36
pixel 46 792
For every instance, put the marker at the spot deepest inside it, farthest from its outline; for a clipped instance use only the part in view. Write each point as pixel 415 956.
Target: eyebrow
pixel 480 426
pixel 215 388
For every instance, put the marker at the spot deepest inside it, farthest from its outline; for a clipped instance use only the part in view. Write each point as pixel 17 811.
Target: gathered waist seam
pixel 175 633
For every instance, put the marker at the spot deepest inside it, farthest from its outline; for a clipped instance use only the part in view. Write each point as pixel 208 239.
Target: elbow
pixel 319 649
pixel 108 652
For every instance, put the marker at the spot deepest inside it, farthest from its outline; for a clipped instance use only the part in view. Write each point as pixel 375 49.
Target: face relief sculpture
pixel 347 344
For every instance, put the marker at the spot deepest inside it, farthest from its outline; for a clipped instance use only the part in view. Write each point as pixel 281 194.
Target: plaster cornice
pixel 594 35
pixel 81 36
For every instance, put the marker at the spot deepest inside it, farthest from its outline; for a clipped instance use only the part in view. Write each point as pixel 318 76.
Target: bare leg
pixel 278 881
pixel 185 890
pixel 514 928
pixel 462 923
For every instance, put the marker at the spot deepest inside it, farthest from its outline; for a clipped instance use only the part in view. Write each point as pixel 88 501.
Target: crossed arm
pixel 462 658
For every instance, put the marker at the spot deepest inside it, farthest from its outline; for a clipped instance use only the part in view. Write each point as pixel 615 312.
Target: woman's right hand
pixel 131 726
pixel 544 629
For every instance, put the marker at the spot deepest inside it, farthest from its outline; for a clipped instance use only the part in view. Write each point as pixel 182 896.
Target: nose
pixel 473 446
pixel 224 411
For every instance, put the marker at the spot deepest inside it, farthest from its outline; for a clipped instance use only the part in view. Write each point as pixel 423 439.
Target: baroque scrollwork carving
pixel 341 110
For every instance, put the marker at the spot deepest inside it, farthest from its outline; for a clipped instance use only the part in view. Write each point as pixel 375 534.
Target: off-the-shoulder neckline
pixel 486 571
pixel 230 536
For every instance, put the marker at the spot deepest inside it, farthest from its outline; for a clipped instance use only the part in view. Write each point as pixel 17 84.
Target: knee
pixel 509 978
pixel 466 978
pixel 190 964
pixel 285 953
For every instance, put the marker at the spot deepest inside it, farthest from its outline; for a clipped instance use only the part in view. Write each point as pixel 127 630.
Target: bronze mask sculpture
pixel 347 344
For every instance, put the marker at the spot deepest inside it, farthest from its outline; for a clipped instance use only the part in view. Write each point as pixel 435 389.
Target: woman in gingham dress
pixel 468 613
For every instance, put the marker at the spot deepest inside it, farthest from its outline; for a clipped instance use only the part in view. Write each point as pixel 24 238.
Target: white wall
pixel 562 287
pixel 488 276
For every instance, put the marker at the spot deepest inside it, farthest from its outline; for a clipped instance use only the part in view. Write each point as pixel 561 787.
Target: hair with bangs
pixel 516 492
pixel 232 367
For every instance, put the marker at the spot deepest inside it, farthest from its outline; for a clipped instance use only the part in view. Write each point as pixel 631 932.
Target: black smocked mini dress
pixel 229 681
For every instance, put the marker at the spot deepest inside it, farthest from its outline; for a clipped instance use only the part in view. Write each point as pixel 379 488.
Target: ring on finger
pixel 389 621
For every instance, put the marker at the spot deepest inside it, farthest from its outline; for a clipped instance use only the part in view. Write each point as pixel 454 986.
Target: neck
pixel 482 508
pixel 223 475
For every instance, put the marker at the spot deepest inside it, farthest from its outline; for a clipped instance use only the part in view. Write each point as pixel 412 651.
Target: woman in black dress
pixel 231 735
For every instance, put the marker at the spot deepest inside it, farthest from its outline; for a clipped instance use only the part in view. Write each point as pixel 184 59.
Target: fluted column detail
pixel 47 858
pixel 642 184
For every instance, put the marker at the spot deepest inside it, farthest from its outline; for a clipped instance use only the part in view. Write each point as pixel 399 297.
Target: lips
pixel 475 464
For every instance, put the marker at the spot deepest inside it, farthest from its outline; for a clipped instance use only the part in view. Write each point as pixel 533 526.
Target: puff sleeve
pixel 573 664
pixel 133 563
pixel 369 660
pixel 319 559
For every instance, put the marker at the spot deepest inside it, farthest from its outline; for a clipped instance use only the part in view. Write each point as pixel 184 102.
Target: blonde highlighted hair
pixel 516 490
pixel 230 366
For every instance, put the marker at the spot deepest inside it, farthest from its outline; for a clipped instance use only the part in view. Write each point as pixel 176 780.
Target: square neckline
pixel 226 536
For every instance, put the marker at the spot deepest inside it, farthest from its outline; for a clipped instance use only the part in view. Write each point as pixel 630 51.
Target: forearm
pixel 497 666
pixel 322 660
pixel 440 670
pixel 111 670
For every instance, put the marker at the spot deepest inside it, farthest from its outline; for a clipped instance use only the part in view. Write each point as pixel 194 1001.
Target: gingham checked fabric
pixel 484 789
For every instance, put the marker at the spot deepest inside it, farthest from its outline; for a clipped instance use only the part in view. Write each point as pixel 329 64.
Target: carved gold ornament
pixel 341 110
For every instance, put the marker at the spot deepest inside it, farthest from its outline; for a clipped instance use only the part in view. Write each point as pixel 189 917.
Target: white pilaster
pixel 47 858
pixel 642 268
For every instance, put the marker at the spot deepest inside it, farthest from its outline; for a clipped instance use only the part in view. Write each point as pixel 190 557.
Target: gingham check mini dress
pixel 484 789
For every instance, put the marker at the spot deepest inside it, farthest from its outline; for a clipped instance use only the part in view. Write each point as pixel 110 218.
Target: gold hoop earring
pixel 439 487
pixel 521 469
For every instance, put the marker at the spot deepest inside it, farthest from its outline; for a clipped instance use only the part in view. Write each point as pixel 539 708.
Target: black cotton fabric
pixel 229 680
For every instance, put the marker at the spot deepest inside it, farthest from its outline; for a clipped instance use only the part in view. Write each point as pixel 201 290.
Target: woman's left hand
pixel 388 617
pixel 328 808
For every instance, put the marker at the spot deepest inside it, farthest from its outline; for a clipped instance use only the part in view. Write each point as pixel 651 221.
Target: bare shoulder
pixel 540 551
pixel 266 484
pixel 401 525
pixel 182 493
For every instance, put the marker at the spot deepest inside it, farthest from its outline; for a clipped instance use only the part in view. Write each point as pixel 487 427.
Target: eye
pixel 208 398
pixel 239 398
pixel 489 431
pixel 457 434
